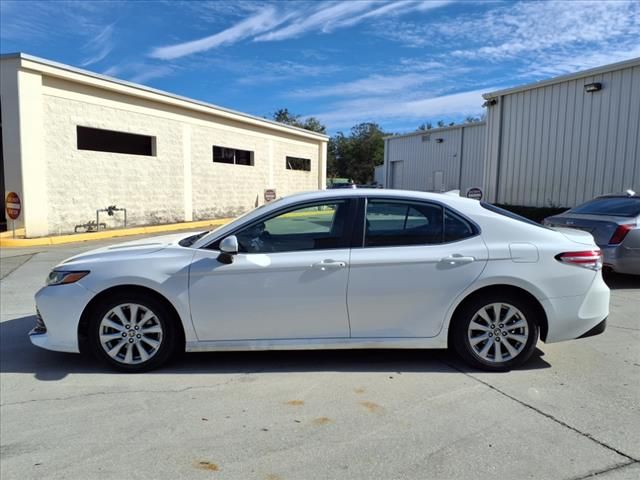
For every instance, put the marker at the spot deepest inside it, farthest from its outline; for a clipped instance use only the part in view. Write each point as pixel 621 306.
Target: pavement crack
pixel 618 466
pixel 123 392
pixel 20 263
pixel 625 328
pixel 547 415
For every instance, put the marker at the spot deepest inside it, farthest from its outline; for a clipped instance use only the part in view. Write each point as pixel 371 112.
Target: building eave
pixel 634 62
pixel 74 74
pixel 435 130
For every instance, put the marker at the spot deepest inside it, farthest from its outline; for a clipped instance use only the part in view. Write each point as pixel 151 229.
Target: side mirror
pixel 228 248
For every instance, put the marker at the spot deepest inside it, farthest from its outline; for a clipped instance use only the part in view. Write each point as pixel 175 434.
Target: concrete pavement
pixel 573 412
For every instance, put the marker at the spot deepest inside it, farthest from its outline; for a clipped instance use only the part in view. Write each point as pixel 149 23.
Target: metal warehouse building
pixel 74 142
pixel 556 143
pixel 436 160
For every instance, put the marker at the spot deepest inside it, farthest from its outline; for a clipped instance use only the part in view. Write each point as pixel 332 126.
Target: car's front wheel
pixel 496 332
pixel 132 333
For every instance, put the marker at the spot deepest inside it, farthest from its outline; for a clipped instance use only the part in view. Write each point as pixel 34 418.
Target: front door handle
pixel 457 259
pixel 329 265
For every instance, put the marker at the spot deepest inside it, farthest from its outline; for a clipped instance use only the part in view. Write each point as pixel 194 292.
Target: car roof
pixel 376 192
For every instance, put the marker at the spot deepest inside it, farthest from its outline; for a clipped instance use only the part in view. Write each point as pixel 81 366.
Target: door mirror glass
pixel 229 245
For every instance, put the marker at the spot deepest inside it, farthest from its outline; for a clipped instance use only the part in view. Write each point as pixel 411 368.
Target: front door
pixel 417 258
pixel 289 280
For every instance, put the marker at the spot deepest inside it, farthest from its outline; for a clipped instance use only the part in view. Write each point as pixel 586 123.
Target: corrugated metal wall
pixel 472 168
pixel 558 145
pixel 438 150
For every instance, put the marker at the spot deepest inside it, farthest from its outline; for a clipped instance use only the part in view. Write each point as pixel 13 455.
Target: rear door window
pixel 397 223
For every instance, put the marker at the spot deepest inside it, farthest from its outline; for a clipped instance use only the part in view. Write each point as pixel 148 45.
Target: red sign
pixel 269 194
pixel 13 205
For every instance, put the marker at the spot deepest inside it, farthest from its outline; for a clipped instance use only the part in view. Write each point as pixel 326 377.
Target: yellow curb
pixel 7 241
pixel 9 233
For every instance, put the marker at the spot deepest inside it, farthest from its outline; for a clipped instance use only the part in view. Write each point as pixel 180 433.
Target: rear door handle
pixel 457 259
pixel 329 265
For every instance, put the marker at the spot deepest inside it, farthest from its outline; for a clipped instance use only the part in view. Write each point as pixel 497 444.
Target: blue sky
pixel 397 63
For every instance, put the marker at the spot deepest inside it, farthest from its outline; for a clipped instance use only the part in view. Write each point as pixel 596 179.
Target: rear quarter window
pixel 507 213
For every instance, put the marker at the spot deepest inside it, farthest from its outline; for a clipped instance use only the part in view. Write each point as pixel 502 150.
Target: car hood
pixel 126 250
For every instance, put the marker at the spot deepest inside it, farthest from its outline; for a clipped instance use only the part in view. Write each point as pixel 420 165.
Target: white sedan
pixel 328 270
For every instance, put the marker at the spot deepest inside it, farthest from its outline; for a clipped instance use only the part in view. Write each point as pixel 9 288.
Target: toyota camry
pixel 338 269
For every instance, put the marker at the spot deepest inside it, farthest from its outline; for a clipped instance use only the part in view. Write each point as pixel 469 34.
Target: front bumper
pixel 60 308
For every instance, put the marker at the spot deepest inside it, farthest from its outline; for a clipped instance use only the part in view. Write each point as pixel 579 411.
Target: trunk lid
pixel 578 236
pixel 600 227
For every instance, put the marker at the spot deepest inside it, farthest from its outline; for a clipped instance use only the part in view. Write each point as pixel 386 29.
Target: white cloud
pixel 100 46
pixel 150 72
pixel 321 19
pixel 286 20
pixel 331 16
pixel 395 7
pixel 383 109
pixel 563 63
pixel 371 85
pixel 139 72
pixel 262 21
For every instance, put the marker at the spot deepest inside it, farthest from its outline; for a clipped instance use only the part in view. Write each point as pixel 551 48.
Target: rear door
pixel 416 258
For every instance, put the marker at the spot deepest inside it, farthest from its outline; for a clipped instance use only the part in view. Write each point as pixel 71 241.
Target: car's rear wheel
pixel 132 333
pixel 496 332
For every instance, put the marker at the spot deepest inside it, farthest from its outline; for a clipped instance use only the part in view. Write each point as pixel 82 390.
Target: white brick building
pixel 74 141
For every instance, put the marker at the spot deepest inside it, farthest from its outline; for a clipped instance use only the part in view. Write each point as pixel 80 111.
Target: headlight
pixel 62 278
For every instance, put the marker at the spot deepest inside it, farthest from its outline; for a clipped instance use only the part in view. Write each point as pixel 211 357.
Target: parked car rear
pixel 614 222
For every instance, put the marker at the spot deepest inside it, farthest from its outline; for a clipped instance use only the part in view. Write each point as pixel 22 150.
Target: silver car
pixel 614 222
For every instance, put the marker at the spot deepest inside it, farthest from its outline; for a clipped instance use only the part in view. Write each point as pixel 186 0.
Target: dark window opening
pixel 396 223
pixel 399 223
pixel 296 163
pixel 232 156
pixel 98 140
pixel 456 227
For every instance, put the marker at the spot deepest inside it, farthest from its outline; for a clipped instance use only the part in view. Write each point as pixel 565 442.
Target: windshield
pixel 614 206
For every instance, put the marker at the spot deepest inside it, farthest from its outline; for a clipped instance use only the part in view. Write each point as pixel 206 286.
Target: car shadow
pixel 618 281
pixel 18 355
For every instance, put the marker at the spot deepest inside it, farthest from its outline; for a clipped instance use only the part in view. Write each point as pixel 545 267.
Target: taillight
pixel 591 259
pixel 620 233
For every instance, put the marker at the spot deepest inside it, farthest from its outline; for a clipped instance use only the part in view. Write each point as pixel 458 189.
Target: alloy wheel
pixel 130 333
pixel 498 332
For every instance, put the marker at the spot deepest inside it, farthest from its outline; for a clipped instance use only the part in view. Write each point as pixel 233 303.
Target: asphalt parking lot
pixel 573 412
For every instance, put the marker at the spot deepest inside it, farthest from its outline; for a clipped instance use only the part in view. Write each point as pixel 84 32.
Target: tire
pixel 492 343
pixel 132 346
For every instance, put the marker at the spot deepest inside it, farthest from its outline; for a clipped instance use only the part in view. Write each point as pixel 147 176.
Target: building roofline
pixel 239 116
pixel 436 130
pixel 564 78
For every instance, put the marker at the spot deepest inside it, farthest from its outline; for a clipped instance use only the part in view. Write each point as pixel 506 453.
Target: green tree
pixel 356 156
pixel 310 123
pixel 425 126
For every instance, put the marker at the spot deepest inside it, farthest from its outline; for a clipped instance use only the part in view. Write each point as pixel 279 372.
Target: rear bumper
pixel 622 259
pixel 574 317
pixel 597 330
